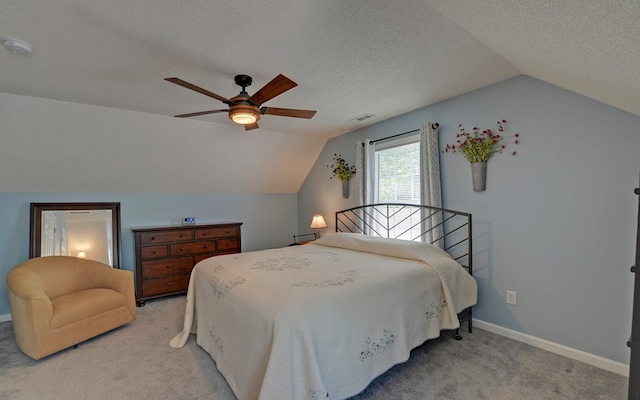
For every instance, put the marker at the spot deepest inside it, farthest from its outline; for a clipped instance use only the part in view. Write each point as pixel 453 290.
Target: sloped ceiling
pixel 589 47
pixel 349 58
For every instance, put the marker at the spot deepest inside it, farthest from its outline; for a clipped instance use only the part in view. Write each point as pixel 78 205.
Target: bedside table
pixel 297 242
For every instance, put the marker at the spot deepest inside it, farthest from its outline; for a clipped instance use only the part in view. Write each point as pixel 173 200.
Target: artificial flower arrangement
pixel 340 169
pixel 480 146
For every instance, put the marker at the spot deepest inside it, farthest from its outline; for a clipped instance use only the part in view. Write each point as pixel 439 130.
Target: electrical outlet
pixel 511 297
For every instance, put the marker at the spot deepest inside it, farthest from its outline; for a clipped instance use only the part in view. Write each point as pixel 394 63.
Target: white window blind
pixel 397 170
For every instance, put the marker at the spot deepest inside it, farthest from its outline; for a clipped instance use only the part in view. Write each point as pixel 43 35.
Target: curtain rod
pixel 434 125
pixel 394 136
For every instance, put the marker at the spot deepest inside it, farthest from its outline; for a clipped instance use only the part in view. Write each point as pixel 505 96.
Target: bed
pixel 322 320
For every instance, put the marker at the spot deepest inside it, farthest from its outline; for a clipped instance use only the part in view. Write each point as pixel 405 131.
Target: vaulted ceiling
pixel 349 58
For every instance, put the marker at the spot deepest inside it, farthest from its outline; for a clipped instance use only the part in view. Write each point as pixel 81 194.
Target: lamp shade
pixel 318 222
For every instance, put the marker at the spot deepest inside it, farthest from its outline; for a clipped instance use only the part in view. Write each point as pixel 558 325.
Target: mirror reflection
pixel 85 230
pixel 79 233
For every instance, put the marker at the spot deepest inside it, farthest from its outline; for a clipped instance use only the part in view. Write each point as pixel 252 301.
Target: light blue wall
pixel 269 220
pixel 556 223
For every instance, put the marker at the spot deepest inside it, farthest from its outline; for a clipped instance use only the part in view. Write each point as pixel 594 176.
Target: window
pixel 397 180
pixel 404 168
pixel 397 171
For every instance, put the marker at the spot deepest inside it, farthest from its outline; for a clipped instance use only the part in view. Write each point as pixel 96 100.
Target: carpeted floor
pixel 136 362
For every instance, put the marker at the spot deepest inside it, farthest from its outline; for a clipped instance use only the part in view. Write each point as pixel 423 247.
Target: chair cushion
pixel 79 305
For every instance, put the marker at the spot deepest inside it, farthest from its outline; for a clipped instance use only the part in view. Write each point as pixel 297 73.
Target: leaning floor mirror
pixel 85 230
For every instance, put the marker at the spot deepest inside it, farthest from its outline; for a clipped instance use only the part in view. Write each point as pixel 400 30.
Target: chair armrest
pixel 31 308
pixel 27 285
pixel 102 276
pixel 120 280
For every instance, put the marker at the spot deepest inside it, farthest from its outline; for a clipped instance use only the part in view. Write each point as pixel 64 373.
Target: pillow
pixel 398 248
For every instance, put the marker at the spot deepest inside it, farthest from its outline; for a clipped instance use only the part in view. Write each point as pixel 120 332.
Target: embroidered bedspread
pixel 321 321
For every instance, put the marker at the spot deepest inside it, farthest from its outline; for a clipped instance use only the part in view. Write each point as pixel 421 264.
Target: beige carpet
pixel 136 362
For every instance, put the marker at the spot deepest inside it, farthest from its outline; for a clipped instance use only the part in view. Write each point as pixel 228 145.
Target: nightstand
pixel 297 242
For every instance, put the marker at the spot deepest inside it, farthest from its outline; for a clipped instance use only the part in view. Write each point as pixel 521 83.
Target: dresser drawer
pixel 154 251
pixel 180 265
pixel 166 236
pixel 227 245
pixel 204 246
pixel 166 285
pixel 200 257
pixel 206 233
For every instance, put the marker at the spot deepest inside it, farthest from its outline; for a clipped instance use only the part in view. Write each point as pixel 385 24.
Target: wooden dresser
pixel 166 255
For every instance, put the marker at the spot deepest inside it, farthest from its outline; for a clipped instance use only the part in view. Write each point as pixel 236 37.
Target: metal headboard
pixel 449 229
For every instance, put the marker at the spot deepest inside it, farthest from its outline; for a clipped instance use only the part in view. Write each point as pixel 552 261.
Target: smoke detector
pixel 17 46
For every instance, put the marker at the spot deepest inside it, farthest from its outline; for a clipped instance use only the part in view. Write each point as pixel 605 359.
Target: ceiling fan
pixel 244 109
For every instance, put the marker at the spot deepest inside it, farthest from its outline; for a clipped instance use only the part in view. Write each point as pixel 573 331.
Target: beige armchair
pixel 59 301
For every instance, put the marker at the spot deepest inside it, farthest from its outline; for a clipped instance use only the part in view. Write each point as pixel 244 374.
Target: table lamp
pixel 318 223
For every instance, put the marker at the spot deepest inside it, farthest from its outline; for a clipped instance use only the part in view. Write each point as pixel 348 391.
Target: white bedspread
pixel 321 321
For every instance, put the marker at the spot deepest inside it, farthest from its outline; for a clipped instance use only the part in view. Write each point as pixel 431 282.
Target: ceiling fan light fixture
pixel 243 118
pixel 244 115
pixel 244 109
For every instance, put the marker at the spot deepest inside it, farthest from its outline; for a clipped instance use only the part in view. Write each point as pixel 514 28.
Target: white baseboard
pixel 5 317
pixel 574 354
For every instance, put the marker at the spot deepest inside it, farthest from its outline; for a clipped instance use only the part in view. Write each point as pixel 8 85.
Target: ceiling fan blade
pixel 249 127
pixel 288 112
pixel 200 113
pixel 277 86
pixel 198 89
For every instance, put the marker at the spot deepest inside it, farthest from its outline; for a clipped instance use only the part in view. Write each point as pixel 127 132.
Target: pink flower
pixel 481 144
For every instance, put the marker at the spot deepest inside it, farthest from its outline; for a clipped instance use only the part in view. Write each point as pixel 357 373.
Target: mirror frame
pixel 35 227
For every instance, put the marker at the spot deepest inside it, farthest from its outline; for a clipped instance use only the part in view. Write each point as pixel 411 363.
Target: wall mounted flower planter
pixel 345 189
pixel 479 176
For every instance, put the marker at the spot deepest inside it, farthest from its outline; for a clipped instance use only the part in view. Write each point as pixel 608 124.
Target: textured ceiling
pixel 348 57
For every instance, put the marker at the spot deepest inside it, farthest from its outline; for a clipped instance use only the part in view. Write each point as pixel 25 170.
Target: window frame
pixel 390 144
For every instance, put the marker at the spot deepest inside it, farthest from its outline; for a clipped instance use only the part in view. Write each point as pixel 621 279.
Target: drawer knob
pixel 181 249
pixel 168 266
pixel 181 235
pixel 153 238
pixel 169 284
pixel 153 252
pixel 204 247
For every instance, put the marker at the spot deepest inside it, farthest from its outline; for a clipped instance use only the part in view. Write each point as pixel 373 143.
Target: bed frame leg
pixel 469 319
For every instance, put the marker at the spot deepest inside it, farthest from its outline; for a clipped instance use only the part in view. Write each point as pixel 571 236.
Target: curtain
pixel 430 188
pixel 365 185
